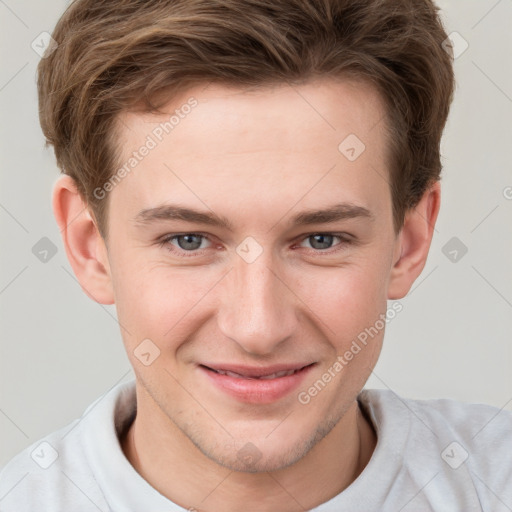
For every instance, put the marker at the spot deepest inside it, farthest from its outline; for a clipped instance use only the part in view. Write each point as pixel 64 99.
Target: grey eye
pixel 321 241
pixel 189 242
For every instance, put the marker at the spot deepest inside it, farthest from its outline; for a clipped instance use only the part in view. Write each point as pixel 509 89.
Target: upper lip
pixel 256 371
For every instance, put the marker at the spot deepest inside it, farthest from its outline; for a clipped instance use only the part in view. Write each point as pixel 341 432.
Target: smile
pixel 256 385
pixel 263 377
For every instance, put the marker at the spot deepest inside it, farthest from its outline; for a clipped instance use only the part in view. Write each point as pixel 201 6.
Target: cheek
pixel 346 299
pixel 155 301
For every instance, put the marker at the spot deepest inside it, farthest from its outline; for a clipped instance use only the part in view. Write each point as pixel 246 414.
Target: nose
pixel 258 307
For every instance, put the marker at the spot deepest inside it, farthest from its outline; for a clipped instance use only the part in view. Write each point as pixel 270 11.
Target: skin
pixel 256 157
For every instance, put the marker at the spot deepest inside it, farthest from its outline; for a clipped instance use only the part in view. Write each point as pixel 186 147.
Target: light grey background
pixel 60 350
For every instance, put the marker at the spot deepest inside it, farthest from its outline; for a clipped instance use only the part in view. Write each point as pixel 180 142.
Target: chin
pixel 247 457
pixel 257 462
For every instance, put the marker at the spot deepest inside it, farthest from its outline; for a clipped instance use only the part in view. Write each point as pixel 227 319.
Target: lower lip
pixel 257 391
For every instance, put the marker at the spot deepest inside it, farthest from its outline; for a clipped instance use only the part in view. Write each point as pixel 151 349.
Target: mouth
pixel 262 385
pixel 262 377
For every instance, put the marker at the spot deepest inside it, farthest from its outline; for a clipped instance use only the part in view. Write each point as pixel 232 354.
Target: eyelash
pixel 345 240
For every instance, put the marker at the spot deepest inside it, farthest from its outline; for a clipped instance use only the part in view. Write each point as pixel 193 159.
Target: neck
pixel 179 471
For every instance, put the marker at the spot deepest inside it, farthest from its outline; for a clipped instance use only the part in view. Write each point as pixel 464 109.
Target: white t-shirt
pixel 439 455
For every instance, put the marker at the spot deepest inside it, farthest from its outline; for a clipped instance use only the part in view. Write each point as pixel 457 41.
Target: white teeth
pixel 284 373
pixel 279 374
pixel 232 374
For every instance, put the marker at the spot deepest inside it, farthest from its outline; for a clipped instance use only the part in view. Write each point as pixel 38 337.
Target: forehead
pixel 324 107
pixel 284 144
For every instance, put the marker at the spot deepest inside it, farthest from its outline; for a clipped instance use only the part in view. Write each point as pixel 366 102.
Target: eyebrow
pixel 334 213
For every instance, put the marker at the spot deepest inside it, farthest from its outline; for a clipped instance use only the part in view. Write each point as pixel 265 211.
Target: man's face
pixel 266 290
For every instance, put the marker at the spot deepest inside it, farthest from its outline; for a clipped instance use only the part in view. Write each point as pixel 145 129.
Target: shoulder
pixel 481 433
pixel 58 471
pixel 465 448
pixel 51 474
pixel 476 422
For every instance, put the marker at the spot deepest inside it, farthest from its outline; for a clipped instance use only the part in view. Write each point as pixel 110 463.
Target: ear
pixel 85 247
pixel 413 242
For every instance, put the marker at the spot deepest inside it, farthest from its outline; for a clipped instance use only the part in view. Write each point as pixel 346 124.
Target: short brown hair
pixel 114 53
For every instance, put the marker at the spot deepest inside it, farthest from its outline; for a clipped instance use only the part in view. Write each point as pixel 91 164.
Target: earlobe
pixel 85 247
pixel 413 243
